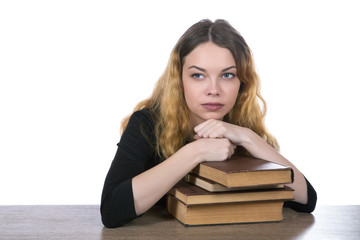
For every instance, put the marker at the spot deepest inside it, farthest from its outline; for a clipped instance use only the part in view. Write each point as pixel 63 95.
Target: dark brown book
pixel 225 213
pixel 212 186
pixel 244 171
pixel 190 194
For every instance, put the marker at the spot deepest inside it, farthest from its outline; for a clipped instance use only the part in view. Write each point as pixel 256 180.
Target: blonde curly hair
pixel 167 102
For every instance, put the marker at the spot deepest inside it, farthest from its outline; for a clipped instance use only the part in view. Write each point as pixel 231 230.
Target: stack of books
pixel 240 190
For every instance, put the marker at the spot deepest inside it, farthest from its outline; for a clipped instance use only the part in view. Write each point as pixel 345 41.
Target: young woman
pixel 205 107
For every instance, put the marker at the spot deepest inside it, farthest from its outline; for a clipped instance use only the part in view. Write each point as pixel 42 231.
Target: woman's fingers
pixel 211 129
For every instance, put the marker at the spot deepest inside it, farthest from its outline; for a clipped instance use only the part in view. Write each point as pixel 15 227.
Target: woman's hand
pixel 218 129
pixel 213 149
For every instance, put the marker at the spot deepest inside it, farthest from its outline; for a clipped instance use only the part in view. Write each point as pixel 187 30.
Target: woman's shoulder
pixel 145 113
pixel 142 118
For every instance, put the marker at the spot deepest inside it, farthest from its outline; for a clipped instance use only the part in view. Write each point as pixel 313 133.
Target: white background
pixel 71 70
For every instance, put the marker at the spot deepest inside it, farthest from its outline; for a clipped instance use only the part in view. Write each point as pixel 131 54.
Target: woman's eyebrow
pixel 228 68
pixel 203 70
pixel 198 68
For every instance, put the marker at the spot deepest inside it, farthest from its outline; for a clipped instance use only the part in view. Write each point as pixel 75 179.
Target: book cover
pixel 212 186
pixel 190 194
pixel 225 213
pixel 244 171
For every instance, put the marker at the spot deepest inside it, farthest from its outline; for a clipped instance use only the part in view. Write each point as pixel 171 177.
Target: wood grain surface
pixel 83 222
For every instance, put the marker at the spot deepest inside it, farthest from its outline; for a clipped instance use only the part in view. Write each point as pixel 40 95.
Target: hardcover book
pixel 212 186
pixel 225 213
pixel 244 171
pixel 190 194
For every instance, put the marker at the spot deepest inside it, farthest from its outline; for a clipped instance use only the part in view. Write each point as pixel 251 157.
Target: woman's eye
pixel 228 75
pixel 197 76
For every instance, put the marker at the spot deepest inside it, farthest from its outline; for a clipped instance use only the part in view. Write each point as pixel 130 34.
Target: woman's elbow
pixel 113 217
pixel 110 222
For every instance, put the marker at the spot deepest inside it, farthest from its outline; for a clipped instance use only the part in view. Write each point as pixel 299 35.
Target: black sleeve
pixel 309 206
pixel 132 158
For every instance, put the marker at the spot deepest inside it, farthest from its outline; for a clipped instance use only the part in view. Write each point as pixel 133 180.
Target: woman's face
pixel 210 82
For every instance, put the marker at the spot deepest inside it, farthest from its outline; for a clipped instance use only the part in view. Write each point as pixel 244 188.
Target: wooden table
pixel 83 222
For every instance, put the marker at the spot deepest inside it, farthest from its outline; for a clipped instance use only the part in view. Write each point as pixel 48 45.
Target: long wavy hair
pixel 167 102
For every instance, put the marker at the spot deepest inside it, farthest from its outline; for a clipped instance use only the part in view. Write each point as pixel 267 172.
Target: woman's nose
pixel 213 88
pixel 213 92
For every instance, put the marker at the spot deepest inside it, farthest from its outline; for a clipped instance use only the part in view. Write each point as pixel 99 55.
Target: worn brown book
pixel 212 186
pixel 191 195
pixel 225 213
pixel 244 171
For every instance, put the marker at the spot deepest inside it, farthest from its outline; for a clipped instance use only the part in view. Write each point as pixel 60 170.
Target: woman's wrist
pixel 192 154
pixel 244 137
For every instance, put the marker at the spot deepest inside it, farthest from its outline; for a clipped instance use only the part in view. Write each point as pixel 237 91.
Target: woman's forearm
pixel 151 185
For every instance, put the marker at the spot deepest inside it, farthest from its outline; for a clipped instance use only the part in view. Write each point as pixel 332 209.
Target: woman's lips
pixel 212 106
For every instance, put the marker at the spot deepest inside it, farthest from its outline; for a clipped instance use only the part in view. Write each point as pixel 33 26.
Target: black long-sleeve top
pixel 135 154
